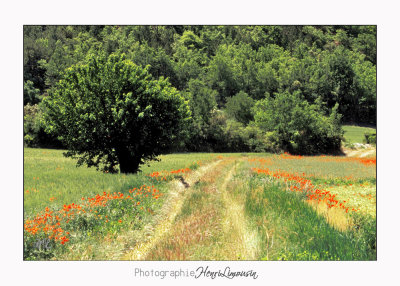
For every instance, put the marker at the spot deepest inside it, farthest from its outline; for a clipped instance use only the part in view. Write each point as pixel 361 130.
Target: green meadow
pixel 292 227
pixel 355 134
pixel 48 174
pixel 227 211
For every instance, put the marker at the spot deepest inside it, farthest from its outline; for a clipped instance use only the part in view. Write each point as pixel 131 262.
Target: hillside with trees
pixel 247 88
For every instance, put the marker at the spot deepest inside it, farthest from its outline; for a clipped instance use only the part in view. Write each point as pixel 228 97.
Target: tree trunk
pixel 128 164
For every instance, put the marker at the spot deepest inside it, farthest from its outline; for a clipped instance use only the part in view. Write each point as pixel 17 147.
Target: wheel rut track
pixel 179 189
pixel 238 239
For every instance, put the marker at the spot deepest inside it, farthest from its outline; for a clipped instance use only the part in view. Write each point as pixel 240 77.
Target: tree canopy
pixel 111 111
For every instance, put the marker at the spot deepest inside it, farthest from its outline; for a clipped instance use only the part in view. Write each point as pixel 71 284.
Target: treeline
pixel 250 88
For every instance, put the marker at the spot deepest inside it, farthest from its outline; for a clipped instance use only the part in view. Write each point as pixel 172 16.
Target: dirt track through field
pixel 360 153
pixel 167 215
pixel 219 225
pixel 244 241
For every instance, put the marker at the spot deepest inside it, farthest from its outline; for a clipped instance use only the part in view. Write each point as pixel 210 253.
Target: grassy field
pixel 325 211
pixel 228 207
pixel 53 182
pixel 355 134
pixel 50 179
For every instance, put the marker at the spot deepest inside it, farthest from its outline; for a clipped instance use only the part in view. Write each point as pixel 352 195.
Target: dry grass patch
pixel 188 234
pixel 336 217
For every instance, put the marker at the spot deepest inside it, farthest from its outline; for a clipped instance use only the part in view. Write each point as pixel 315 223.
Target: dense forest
pixel 249 88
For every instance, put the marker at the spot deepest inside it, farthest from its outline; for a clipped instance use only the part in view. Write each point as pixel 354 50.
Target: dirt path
pixel 360 153
pixel 214 228
pixel 241 240
pixel 368 153
pixel 167 215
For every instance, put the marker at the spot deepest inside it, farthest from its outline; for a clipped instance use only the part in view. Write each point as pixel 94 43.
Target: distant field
pixel 355 134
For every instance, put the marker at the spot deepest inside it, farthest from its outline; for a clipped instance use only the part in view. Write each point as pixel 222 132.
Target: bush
pixel 234 136
pixel 256 140
pixel 215 133
pixel 239 107
pixel 370 138
pixel 221 134
pixel 298 127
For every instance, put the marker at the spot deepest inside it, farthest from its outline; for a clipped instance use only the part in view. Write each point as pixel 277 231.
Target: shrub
pixel 255 139
pixel 234 136
pixel 239 107
pixel 370 138
pixel 298 127
pixel 215 133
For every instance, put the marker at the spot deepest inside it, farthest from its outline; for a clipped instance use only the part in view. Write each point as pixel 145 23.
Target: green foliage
pixel 58 62
pixel 33 52
pixel 31 124
pixel 211 37
pixel 297 126
pixel 342 82
pixel 222 134
pixel 216 137
pixel 365 81
pixel 110 111
pixel 256 140
pixel 201 100
pixel 370 138
pixel 365 43
pixel 31 94
pixel 189 60
pixel 202 104
pixel 190 40
pixel 34 129
pixel 240 107
pixel 333 64
pixel 234 137
pixel 367 232
pixel 222 74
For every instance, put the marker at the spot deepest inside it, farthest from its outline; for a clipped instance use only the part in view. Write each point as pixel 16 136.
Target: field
pixel 355 134
pixel 201 206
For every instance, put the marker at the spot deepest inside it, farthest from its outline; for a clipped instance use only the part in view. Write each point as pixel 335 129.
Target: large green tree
pixel 110 111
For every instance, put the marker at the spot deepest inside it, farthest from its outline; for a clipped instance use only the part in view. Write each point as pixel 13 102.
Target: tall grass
pixel 293 230
pixel 53 183
pixel 51 180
